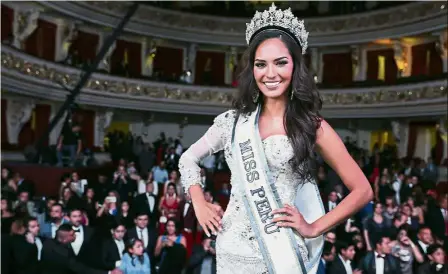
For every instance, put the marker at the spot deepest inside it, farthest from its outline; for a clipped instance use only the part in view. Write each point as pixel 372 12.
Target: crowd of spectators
pixel 403 230
pixel 138 219
pixel 135 219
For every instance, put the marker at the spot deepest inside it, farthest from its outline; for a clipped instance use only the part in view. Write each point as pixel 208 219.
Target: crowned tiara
pixel 278 19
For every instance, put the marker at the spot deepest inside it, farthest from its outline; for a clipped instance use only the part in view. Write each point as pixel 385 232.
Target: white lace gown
pixel 237 249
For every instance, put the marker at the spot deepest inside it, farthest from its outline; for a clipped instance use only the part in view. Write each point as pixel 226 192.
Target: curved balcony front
pixel 30 76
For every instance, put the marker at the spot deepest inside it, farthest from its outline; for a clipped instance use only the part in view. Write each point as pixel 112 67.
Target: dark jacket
pixel 196 259
pixel 58 258
pixel 391 264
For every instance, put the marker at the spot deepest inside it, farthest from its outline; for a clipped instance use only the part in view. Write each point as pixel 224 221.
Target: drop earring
pixel 292 94
pixel 255 96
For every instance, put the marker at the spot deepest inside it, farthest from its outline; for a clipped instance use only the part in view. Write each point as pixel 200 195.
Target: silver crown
pixel 280 18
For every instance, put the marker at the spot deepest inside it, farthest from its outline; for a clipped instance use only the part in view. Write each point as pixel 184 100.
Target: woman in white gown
pixel 269 139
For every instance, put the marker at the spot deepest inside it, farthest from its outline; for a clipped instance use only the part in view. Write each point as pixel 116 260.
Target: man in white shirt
pixel 424 239
pixel 332 201
pixel 145 233
pixel 343 262
pixel 380 261
pixel 148 202
pixel 113 247
pixel 81 244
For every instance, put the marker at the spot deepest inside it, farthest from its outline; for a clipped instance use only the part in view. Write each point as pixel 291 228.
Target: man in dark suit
pixel 24 185
pixel 172 160
pixel 58 258
pixel 149 203
pixel 380 261
pixel 144 232
pixel 188 222
pixel 332 201
pixel 436 263
pixel 113 247
pixel 203 259
pixel 342 262
pixel 83 247
pixel 437 217
pixel 27 249
pixel 328 255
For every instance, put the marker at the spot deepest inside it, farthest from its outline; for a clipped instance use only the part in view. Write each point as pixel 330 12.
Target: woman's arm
pixel 160 205
pixel 214 139
pixel 183 241
pixel 421 218
pixel 367 238
pixel 417 254
pixel 159 247
pixel 335 154
pixel 377 188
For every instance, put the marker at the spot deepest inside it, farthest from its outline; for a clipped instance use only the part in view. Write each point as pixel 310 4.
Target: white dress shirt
pixel 39 247
pixel 347 265
pixel 76 245
pixel 143 232
pixel 331 205
pixel 423 246
pixel 120 246
pixel 151 201
pixel 186 207
pixel 54 228
pixel 379 263
pixel 444 213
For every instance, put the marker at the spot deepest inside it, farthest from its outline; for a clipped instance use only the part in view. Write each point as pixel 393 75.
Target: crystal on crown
pixel 281 18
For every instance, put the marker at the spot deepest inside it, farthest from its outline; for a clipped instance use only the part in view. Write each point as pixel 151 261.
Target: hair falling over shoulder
pixel 302 116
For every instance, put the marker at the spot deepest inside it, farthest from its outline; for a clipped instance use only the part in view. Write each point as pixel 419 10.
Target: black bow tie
pixel 77 230
pixel 381 256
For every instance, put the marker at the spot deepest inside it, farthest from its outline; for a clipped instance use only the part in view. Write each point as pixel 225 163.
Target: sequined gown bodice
pixel 236 246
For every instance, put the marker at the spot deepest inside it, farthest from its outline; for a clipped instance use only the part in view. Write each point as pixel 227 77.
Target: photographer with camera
pixel 203 258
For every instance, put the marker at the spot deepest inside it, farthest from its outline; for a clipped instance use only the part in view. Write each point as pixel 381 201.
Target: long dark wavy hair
pixel 302 117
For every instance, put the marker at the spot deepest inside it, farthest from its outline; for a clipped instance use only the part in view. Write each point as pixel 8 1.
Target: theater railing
pixel 408 19
pixel 30 76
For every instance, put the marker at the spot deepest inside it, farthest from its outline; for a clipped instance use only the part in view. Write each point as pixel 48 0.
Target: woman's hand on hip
pixel 209 217
pixel 294 219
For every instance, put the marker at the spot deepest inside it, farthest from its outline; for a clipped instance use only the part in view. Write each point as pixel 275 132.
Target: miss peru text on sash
pixel 275 218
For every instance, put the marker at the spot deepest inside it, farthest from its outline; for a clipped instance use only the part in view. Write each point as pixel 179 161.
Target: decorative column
pixel 442 130
pixel 66 33
pixel 231 61
pixel 18 113
pixel 356 60
pixel 359 63
pixel 56 132
pixel 316 64
pixel 102 122
pixel 400 129
pixel 149 51
pixel 105 63
pixel 24 24
pixel 190 62
pixel 443 49
pixel 400 56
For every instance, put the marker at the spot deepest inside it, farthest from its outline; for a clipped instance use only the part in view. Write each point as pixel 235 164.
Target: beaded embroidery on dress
pixel 236 247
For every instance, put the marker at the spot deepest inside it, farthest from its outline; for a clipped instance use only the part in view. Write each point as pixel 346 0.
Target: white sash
pixel 278 245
